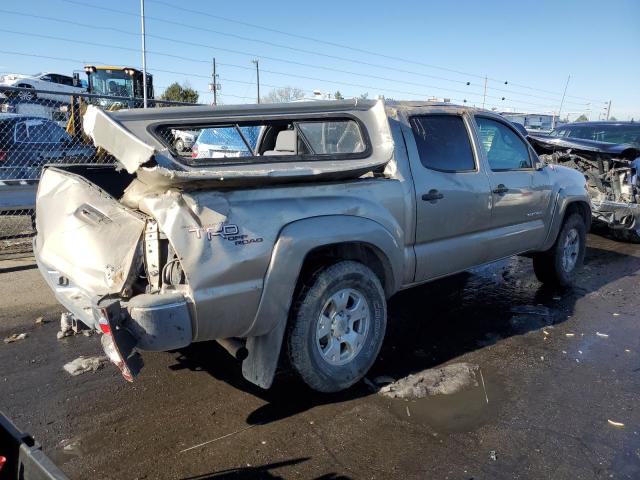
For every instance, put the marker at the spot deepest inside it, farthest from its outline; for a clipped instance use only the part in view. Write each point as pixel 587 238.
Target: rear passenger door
pixel 520 194
pixel 453 207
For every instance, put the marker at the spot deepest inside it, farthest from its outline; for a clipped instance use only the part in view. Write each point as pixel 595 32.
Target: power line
pixel 230 80
pixel 470 93
pixel 287 74
pixel 362 62
pixel 348 47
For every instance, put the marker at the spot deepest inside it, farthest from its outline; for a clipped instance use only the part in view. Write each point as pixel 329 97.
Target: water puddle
pixel 66 450
pixel 456 404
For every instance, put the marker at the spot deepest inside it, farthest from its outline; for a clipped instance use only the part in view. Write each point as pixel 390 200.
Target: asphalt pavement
pixel 560 397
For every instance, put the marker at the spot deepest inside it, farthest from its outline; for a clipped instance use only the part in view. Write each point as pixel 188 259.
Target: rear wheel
pixel 558 265
pixel 26 95
pixel 337 326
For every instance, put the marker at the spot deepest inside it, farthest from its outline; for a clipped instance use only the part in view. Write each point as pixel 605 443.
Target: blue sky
pixel 418 48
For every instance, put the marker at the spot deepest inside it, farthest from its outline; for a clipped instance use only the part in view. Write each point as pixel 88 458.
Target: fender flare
pixel 565 198
pixel 295 242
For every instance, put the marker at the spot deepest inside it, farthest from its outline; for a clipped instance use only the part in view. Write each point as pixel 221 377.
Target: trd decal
pixel 229 232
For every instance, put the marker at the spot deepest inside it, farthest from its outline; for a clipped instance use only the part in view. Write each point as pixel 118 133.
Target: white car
pixel 183 140
pixel 41 81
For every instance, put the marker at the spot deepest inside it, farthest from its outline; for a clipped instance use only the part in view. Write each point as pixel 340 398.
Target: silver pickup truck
pixel 295 228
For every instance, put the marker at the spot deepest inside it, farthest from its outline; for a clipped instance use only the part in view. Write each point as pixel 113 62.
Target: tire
pixel 333 353
pixel 179 145
pixel 26 96
pixel 558 265
pixel 631 236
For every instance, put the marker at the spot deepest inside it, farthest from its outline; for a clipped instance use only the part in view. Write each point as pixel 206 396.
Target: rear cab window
pixel 280 140
pixel 443 143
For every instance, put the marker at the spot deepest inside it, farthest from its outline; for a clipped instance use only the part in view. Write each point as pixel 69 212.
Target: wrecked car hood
pixel 555 143
pixel 128 136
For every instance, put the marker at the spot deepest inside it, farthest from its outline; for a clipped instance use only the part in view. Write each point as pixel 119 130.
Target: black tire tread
pixel 547 265
pixel 302 322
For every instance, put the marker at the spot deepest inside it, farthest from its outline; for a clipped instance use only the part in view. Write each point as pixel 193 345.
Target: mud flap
pixel 117 342
pixel 264 352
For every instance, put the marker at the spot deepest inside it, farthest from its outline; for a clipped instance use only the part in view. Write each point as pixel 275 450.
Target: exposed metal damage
pixel 613 178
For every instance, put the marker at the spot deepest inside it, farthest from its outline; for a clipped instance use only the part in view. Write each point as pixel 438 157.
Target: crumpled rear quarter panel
pixel 225 239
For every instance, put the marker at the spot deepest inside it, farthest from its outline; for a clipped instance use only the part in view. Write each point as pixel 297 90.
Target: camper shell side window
pixel 267 141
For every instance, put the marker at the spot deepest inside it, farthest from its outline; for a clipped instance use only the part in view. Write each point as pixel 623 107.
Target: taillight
pixel 194 151
pixel 3 155
pixel 3 460
pixel 117 342
pixel 103 321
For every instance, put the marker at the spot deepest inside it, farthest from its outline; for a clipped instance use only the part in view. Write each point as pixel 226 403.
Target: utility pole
pixel 144 57
pixel 608 109
pixel 562 101
pixel 256 61
pixel 214 83
pixel 484 95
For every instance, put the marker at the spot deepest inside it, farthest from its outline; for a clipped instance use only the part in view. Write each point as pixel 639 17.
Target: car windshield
pixel 40 131
pixel 602 133
pixel 115 83
pixel 225 137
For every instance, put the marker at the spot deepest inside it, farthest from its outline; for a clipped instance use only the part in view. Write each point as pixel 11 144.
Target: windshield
pixel 114 83
pixel 602 133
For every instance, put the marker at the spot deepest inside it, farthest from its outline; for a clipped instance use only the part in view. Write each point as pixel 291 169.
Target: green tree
pixel 338 95
pixel 582 118
pixel 613 119
pixel 364 96
pixel 180 93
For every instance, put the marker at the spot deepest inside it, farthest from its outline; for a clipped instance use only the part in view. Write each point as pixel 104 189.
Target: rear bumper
pixel 157 322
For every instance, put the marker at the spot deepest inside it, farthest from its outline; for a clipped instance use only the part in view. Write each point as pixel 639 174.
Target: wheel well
pixel 581 208
pixel 362 252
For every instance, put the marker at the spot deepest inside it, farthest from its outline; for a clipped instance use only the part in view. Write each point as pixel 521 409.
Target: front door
pixel 453 204
pixel 520 194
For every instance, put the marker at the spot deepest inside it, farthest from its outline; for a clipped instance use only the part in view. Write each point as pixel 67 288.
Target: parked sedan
pixel 27 143
pixel 41 81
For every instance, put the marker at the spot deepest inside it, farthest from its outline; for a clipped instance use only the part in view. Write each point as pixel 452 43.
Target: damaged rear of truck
pixel 166 250
pixel 612 172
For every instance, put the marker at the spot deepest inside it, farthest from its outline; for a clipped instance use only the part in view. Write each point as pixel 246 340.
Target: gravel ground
pixel 556 367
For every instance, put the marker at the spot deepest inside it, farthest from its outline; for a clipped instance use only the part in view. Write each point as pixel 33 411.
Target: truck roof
pixel 324 106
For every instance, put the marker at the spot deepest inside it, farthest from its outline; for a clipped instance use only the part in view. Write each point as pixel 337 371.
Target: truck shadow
pixel 438 322
pixel 260 471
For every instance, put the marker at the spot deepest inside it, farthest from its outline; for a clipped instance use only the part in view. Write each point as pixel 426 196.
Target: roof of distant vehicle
pixel 18 116
pixel 597 123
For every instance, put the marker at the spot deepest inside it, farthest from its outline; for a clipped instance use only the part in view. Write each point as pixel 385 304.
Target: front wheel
pixel 626 235
pixel 558 265
pixel 337 326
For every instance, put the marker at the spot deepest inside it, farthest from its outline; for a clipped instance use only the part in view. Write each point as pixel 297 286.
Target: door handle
pixel 500 189
pixel 433 196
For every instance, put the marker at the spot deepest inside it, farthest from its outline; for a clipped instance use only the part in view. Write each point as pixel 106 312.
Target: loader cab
pixel 124 82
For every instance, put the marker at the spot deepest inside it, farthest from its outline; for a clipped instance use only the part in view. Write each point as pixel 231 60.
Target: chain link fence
pixel 44 127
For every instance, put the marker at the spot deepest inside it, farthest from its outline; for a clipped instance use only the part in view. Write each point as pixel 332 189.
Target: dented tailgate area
pixel 613 178
pixel 152 252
